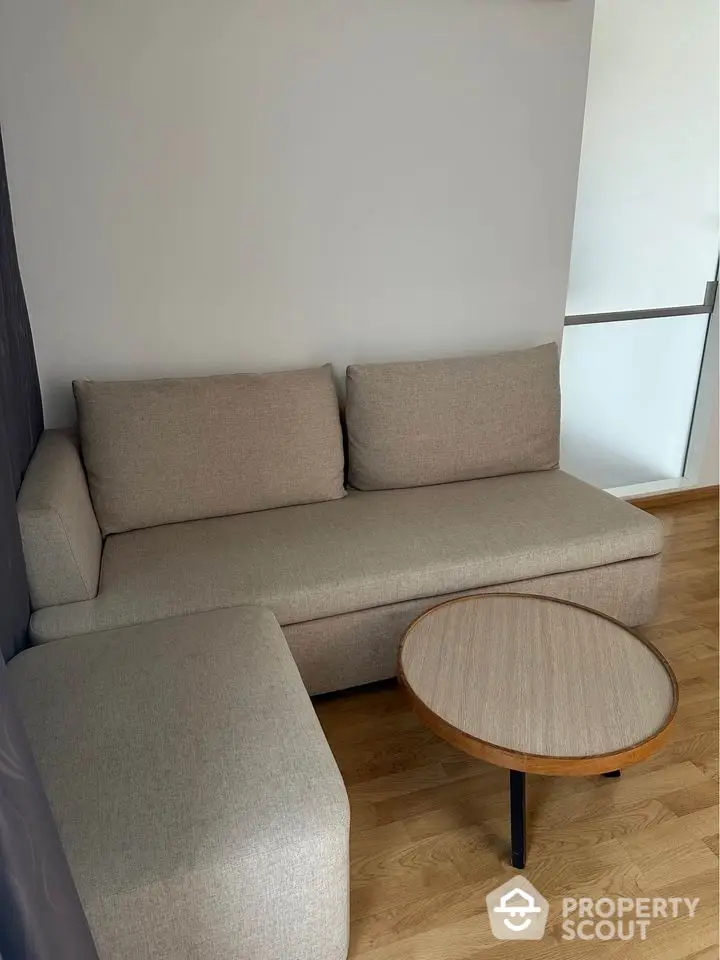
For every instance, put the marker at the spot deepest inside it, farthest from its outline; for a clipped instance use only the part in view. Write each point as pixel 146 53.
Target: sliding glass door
pixel 645 244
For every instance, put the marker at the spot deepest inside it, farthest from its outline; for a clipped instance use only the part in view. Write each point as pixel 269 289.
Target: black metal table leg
pixel 612 773
pixel 517 818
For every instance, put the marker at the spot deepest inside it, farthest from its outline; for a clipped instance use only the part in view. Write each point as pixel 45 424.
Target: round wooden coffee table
pixel 537 685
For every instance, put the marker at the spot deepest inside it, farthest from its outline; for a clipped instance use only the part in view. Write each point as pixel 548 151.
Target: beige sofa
pixel 225 491
pixel 175 503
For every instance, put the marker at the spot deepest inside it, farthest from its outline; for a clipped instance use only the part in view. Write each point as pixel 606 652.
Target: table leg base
pixel 518 834
pixel 517 819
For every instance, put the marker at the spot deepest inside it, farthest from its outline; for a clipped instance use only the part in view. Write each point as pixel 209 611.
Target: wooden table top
pixel 537 684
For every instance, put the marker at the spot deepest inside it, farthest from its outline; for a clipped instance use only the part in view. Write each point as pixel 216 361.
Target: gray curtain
pixel 20 426
pixel 40 913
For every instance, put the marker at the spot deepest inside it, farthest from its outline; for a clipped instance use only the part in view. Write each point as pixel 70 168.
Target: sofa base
pixel 356 648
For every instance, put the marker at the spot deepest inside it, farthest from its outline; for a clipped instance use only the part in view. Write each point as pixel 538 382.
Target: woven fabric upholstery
pixel 355 648
pixel 60 535
pixel 438 421
pixel 367 550
pixel 197 799
pixel 162 451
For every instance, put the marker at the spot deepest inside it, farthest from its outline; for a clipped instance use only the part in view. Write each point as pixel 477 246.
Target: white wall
pixel 646 227
pixel 220 185
pixel 628 396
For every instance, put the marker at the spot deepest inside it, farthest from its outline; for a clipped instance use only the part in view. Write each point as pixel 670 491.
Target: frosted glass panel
pixel 646 222
pixel 628 392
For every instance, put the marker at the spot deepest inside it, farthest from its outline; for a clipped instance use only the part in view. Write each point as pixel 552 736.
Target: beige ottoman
pixel 202 813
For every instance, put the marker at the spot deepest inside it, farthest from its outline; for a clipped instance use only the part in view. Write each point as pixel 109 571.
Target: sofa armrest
pixel 60 535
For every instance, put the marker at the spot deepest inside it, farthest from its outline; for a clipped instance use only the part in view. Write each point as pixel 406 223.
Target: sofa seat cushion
pixel 198 802
pixel 367 550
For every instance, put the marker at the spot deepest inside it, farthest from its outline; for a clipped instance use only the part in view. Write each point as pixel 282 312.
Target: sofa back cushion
pixel 437 421
pixel 162 451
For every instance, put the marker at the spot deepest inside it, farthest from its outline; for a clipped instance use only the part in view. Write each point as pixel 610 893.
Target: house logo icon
pixel 517 911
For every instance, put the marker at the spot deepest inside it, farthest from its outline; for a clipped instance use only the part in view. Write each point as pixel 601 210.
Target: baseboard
pixel 674 497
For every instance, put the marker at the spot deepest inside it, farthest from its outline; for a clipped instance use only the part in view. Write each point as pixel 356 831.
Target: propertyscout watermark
pixel 518 911
pixel 619 918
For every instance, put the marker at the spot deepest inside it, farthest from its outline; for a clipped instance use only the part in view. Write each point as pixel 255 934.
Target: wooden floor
pixel 429 824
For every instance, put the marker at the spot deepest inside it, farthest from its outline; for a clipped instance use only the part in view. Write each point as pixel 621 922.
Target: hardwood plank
pixel 674 847
pixel 712 843
pixel 673 498
pixel 686 801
